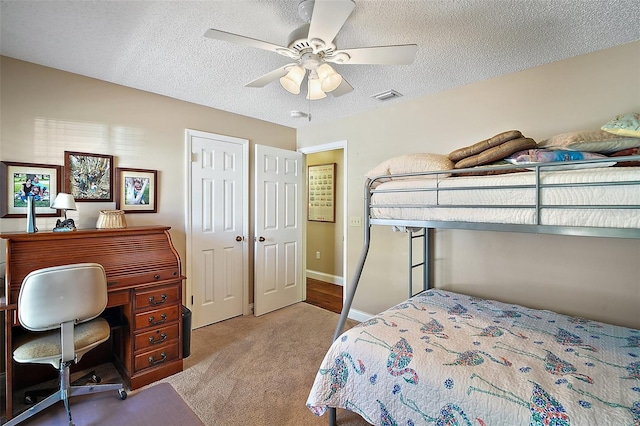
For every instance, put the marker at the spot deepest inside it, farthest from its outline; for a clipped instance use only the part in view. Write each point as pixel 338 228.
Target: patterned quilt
pixel 443 358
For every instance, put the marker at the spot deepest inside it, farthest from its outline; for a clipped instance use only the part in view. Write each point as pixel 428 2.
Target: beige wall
pixel 326 237
pixel 596 278
pixel 45 112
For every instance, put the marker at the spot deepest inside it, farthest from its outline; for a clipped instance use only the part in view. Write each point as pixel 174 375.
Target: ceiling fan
pixel 312 47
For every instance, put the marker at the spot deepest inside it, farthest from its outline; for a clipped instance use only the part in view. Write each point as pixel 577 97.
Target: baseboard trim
pixel 328 278
pixel 359 316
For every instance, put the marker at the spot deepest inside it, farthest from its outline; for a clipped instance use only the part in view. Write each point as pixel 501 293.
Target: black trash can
pixel 186 332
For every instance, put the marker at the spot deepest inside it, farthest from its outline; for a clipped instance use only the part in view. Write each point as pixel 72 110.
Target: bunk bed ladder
pixel 427 258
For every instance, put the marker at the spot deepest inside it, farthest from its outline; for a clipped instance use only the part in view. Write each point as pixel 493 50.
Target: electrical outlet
pixel 317 255
pixel 355 221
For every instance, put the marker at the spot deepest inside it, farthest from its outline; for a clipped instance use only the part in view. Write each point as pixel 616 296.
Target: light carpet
pixel 253 371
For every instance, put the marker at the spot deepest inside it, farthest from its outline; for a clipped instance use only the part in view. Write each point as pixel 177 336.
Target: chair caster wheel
pixel 95 378
pixel 123 394
pixel 30 400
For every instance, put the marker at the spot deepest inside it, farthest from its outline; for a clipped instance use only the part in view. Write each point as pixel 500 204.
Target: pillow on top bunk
pixel 532 156
pixel 412 163
pixel 496 153
pixel 590 141
pixel 481 146
pixel 624 125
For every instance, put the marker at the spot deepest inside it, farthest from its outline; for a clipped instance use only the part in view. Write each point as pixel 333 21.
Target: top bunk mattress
pixel 594 197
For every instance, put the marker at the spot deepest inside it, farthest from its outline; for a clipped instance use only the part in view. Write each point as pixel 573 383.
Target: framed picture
pixel 17 180
pixel 137 190
pixel 88 177
pixel 321 198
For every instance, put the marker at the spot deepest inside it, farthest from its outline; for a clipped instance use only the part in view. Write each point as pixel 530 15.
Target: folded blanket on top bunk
pixel 449 359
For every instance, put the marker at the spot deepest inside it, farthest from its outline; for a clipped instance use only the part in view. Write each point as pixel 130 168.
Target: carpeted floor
pixel 253 371
pixel 245 371
pixel 157 405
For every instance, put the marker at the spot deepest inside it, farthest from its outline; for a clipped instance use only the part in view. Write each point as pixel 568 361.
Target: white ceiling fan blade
pixel 328 17
pixel 342 89
pixel 269 77
pixel 384 55
pixel 247 41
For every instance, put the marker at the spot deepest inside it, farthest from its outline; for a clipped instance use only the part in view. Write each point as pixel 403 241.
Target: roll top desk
pixel 145 293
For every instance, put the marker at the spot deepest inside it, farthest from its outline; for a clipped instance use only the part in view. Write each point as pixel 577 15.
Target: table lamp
pixel 64 202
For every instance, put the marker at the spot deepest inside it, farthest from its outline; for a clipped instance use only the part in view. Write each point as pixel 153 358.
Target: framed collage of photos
pixel 321 184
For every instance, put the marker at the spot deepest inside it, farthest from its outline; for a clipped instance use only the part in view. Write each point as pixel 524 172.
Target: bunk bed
pixel 451 359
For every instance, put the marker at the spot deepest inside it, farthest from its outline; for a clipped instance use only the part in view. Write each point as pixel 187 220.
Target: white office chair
pixel 62 305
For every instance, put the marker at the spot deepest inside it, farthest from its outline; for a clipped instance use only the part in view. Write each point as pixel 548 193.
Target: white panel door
pixel 218 227
pixel 278 228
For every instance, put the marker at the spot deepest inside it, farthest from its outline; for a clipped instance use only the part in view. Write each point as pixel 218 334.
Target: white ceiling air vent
pixel 388 95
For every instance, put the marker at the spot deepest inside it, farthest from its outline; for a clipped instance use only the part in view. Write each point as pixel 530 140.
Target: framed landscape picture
pixel 137 190
pixel 88 177
pixel 20 180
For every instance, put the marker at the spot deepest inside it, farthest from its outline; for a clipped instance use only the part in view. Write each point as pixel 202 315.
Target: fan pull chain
pixel 309 95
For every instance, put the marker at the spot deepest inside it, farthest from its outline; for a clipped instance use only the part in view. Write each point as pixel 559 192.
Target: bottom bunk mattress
pixel 449 359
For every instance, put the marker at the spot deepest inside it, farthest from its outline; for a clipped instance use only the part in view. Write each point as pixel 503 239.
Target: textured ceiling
pixel 158 46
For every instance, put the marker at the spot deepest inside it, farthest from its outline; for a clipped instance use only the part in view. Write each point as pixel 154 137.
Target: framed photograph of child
pixel 137 190
pixel 22 180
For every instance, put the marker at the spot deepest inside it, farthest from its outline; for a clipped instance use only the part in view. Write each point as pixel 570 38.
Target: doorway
pixel 325 242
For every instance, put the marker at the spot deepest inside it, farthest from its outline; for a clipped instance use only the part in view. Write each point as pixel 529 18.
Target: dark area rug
pixel 153 406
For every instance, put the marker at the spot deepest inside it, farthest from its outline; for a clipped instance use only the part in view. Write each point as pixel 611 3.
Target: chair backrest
pixel 51 296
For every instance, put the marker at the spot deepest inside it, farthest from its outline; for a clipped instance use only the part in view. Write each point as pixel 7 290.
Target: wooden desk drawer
pixel 157 357
pixel 157 317
pixel 159 336
pixel 157 297
pixel 118 298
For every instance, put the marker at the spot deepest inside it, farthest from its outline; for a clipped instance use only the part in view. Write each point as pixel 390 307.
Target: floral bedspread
pixel 449 359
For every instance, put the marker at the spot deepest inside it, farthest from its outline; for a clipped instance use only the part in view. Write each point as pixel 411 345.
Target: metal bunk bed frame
pixel 428 227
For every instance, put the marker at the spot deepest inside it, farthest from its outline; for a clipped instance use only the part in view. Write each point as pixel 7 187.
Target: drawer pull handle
pixel 159 361
pixel 162 338
pixel 157 277
pixel 160 321
pixel 152 300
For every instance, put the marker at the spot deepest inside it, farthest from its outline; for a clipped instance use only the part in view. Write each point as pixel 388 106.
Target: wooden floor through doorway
pixel 325 295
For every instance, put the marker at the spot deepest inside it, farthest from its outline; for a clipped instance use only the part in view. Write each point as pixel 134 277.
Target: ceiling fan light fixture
pixel 329 78
pixel 291 82
pixel 315 91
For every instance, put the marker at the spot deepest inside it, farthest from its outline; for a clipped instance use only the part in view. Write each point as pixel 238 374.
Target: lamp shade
pixel 64 201
pixel 315 92
pixel 329 78
pixel 291 81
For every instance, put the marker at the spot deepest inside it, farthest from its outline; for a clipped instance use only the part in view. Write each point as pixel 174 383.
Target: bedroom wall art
pixel 321 197
pixel 137 190
pixel 89 177
pixel 19 180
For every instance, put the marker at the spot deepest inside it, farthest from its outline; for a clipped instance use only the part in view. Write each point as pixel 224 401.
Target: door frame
pixel 245 212
pixel 331 146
